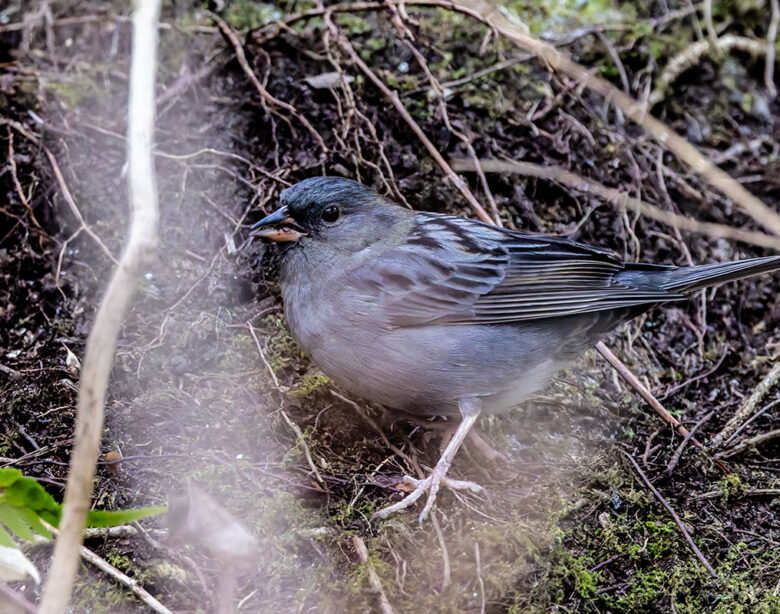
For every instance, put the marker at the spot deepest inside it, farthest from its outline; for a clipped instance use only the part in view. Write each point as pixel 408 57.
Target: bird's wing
pixel 456 271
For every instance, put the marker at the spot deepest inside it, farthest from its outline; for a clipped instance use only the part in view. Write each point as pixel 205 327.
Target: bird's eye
pixel 330 214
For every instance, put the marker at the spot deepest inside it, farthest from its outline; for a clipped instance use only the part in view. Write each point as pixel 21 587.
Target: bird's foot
pixel 429 485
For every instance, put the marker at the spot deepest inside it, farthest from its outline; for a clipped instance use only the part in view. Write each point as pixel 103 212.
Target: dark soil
pixel 567 525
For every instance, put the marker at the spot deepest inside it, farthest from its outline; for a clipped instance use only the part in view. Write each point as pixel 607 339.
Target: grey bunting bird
pixel 440 315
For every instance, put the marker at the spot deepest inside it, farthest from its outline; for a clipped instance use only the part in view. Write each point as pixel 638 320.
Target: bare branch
pixel 674 515
pixel 101 343
pixel 748 407
pixel 488 14
pixel 620 199
pixel 393 98
pixel 373 578
pixel 771 38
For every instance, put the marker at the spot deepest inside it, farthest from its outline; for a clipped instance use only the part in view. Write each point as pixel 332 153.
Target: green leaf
pixel 27 492
pixel 31 518
pixel 6 539
pixel 105 518
pixel 24 503
pixel 8 476
pixel 13 519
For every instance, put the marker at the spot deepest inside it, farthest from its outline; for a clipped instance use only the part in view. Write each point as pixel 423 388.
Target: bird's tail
pixel 688 279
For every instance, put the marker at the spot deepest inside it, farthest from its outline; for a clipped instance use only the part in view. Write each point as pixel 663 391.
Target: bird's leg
pixel 470 408
pixel 485 450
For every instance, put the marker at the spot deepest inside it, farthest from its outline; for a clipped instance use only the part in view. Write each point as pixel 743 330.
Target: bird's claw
pixel 429 485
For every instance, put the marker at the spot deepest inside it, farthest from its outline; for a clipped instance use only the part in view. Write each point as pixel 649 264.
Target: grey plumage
pixel 419 311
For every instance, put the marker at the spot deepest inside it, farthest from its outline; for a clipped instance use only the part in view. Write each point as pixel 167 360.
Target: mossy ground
pixel 565 524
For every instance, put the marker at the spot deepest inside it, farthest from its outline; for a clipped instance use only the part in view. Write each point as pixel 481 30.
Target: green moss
pixel 312 385
pixel 731 486
pixel 281 349
pixel 355 24
pixel 72 92
pixel 101 596
pixel 358 579
pixel 246 15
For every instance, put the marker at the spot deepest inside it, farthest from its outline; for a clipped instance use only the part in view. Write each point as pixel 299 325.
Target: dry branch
pixel 634 382
pixel 264 94
pixel 771 38
pixel 673 462
pixel 101 343
pixel 393 98
pixel 130 583
pixel 691 55
pixel 748 407
pixel 488 14
pixel 751 442
pixel 293 427
pixel 674 515
pixel 373 579
pixel 620 199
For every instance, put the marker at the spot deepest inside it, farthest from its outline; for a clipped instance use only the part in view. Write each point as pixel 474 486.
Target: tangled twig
pixel 748 407
pixel 621 199
pixel 487 14
pixel 264 94
pixel 459 183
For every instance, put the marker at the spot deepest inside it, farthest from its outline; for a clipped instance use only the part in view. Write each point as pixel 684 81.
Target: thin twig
pixel 674 515
pixel 751 442
pixel 395 449
pixel 482 73
pixel 446 570
pixel 754 417
pixel 101 343
pixel 393 98
pixel 712 35
pixel 439 92
pixel 18 186
pixel 293 427
pixel 771 38
pixel 753 492
pixel 480 581
pixel 634 382
pixel 678 452
pixel 488 14
pixel 131 583
pixel 264 94
pixel 262 355
pixel 72 204
pixel 692 55
pixel 373 579
pixel 748 407
pixel 620 199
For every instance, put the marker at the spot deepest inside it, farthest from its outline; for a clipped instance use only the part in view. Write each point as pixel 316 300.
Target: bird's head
pixel 341 212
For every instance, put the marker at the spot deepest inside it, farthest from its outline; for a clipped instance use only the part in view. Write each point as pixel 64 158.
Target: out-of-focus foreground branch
pixel 101 343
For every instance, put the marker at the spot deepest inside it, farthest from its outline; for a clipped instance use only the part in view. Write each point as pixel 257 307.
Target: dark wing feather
pixel 469 272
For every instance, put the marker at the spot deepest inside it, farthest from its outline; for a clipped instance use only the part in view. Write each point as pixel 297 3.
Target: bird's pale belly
pixel 425 370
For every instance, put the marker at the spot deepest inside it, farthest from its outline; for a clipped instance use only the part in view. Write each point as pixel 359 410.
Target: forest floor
pixel 566 523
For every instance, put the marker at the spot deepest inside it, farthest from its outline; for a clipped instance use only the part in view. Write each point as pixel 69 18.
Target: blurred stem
pixel 101 343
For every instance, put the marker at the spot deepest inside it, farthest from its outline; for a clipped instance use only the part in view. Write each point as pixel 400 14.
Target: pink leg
pixel 470 408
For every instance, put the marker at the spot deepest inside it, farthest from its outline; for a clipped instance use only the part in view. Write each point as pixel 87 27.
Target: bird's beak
pixel 278 227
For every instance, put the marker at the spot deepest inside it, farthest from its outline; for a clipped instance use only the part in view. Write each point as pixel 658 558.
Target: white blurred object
pixel 15 567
